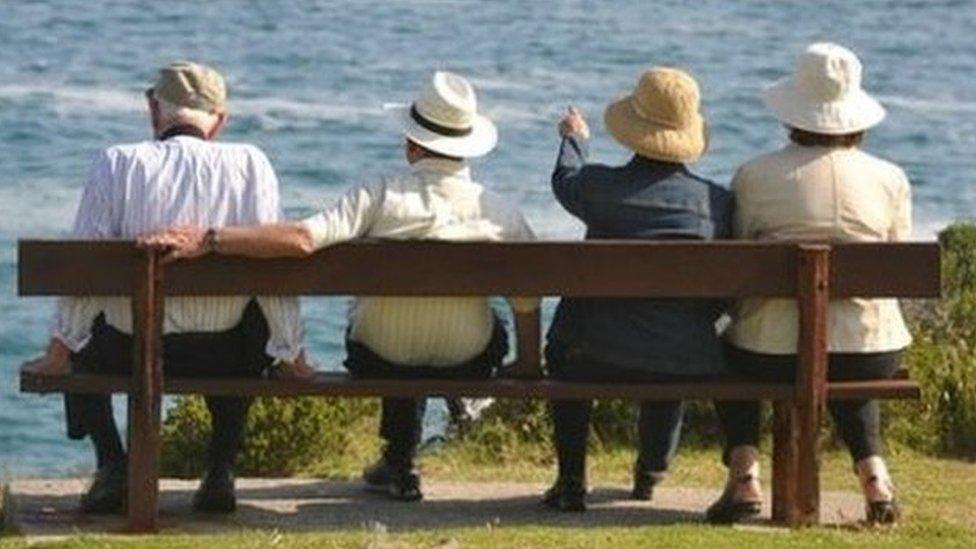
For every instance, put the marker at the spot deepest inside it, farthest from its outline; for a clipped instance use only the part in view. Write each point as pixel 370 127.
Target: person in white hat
pixel 819 187
pixel 435 198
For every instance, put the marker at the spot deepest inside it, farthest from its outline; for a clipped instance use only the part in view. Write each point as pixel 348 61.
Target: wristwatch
pixel 210 241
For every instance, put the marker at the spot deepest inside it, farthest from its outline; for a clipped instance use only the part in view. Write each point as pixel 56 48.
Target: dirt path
pixel 46 508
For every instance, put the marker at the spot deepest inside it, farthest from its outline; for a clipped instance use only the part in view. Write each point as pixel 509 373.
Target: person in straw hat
pixel 653 196
pixel 819 187
pixel 183 174
pixel 435 198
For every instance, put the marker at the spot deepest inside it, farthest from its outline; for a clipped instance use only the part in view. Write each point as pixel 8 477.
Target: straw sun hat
pixel 824 95
pixel 661 118
pixel 445 119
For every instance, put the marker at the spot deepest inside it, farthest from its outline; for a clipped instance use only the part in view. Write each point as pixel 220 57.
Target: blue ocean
pixel 308 80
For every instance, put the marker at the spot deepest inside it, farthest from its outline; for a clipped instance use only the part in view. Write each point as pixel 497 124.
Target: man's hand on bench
pixel 297 369
pixel 55 362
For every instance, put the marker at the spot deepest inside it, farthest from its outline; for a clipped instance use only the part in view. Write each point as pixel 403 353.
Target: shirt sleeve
pixel 286 331
pixel 740 222
pixel 348 218
pixel 96 218
pixel 566 179
pixel 901 228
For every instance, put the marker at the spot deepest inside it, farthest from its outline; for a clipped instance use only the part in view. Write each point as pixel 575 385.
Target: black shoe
pixel 216 492
pixel 883 512
pixel 567 495
pixel 108 491
pixel 728 511
pixel 399 484
pixel 644 483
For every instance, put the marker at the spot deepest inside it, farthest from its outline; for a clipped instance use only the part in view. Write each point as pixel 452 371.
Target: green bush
pixel 943 356
pixel 284 436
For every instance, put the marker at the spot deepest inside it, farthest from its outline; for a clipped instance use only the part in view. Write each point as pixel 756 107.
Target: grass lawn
pixel 939 497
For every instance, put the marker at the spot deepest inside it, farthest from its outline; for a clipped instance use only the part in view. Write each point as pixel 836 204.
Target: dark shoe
pixel 401 485
pixel 883 512
pixel 644 483
pixel 726 510
pixel 107 493
pixel 216 493
pixel 568 495
pixel 378 476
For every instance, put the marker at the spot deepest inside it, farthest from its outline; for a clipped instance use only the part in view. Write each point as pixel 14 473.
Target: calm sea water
pixel 308 79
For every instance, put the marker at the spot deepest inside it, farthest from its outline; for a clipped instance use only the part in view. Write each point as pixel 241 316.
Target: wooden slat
pixel 898 388
pixel 606 268
pixel 338 384
pixel 886 270
pixel 594 268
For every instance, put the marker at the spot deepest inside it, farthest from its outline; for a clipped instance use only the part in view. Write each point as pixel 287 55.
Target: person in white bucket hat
pixel 396 337
pixel 819 187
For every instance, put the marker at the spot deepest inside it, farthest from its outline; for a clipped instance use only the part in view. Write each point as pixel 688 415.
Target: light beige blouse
pixel 828 195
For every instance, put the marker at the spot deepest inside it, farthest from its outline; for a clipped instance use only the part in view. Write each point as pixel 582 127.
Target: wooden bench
pixel 811 273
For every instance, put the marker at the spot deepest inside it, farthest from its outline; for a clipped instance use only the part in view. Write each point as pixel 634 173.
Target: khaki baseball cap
pixel 191 85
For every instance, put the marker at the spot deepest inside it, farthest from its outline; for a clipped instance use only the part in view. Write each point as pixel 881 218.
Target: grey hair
pixel 172 115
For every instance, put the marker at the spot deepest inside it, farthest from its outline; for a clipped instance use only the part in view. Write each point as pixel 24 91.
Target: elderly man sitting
pixel 436 198
pixel 181 176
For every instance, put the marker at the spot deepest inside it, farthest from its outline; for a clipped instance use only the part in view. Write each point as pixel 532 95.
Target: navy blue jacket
pixel 643 199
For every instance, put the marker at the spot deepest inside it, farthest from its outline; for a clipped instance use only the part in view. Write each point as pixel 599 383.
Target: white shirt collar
pixel 443 166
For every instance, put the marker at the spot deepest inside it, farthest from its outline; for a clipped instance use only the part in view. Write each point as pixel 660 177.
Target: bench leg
pixel 145 397
pixel 785 464
pixel 813 284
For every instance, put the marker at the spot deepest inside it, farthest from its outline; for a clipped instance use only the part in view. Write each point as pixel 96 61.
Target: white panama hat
pixel 824 95
pixel 445 118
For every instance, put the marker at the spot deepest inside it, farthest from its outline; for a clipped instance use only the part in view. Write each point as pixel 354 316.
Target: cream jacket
pixel 434 200
pixel 829 195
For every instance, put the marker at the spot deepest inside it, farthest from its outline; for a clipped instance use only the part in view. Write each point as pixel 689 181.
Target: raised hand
pixel 573 123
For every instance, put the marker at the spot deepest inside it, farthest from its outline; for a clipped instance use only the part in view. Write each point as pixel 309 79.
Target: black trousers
pixel 658 425
pixel 858 421
pixel 401 418
pixel 238 352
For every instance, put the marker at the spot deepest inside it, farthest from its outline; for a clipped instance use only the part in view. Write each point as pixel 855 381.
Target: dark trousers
pixel 858 421
pixel 401 419
pixel 238 352
pixel 658 425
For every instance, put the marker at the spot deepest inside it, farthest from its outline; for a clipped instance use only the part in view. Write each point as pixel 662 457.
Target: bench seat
pixel 341 384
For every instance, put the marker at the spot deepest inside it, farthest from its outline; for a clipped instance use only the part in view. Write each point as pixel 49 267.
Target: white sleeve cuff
pixel 318 230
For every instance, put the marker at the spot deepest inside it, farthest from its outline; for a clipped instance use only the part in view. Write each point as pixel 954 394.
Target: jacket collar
pixel 658 166
pixel 443 166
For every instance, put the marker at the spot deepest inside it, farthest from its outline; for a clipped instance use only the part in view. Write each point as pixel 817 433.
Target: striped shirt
pixel 138 188
pixel 437 200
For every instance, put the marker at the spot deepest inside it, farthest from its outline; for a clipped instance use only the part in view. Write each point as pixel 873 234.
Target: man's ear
pixel 154 118
pixel 222 118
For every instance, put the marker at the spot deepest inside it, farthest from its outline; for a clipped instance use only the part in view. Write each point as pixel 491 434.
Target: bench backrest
pixel 593 268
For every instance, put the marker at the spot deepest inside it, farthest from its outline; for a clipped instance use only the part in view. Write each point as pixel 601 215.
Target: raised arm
pixel 573 151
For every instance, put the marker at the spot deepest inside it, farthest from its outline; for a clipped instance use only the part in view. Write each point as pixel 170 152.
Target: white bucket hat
pixel 824 95
pixel 445 119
